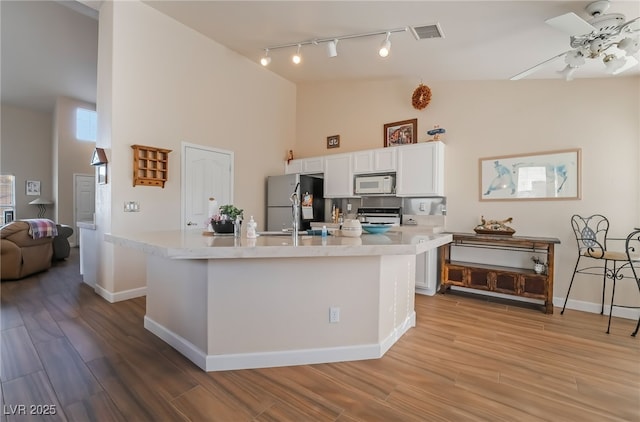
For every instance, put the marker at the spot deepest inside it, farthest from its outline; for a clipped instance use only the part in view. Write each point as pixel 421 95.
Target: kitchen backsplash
pixel 424 211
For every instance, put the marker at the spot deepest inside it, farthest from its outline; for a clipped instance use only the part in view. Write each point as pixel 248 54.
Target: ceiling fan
pixel 605 36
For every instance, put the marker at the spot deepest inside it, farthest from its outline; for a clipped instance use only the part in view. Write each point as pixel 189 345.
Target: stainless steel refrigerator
pixel 279 205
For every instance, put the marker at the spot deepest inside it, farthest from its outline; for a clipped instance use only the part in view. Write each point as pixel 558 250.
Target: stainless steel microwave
pixel 375 185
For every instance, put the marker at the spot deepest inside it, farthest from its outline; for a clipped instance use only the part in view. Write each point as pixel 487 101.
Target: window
pixel 7 198
pixel 86 125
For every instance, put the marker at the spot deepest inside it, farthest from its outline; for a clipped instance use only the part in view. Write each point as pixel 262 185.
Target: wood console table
pixel 514 281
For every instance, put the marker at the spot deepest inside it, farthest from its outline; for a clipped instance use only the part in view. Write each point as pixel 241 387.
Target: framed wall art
pixel 542 175
pixel 333 141
pixel 401 133
pixel 33 187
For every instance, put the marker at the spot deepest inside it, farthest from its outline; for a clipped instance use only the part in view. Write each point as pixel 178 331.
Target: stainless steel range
pixel 380 215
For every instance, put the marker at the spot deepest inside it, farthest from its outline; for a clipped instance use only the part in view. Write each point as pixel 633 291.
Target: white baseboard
pixel 120 296
pixel 227 362
pixel 594 308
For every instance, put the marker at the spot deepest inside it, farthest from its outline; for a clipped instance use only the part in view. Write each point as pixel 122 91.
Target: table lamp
pixel 41 203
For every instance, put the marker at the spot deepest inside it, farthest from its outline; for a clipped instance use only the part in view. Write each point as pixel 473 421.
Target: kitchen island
pixel 237 303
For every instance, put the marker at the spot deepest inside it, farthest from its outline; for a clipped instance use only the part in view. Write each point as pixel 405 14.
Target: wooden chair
pixel 591 236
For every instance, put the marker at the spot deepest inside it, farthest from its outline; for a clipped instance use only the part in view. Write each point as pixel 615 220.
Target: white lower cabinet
pixel 420 169
pixel 427 272
pixel 338 176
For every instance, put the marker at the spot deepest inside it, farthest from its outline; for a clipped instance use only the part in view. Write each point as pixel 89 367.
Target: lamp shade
pixel 99 157
pixel 41 201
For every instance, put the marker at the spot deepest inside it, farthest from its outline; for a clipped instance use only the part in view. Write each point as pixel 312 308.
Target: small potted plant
pixel 538 265
pixel 224 221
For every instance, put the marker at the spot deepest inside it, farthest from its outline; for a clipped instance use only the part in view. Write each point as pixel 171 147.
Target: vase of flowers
pixel 226 219
pixel 538 265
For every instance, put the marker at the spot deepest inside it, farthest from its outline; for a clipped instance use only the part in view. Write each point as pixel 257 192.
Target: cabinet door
pixel 362 162
pixel 293 167
pixel 385 159
pixel 338 176
pixel 420 170
pixel 427 272
pixel 313 165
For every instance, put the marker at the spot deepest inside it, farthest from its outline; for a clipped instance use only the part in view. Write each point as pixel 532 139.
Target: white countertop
pixel 86 225
pixel 191 244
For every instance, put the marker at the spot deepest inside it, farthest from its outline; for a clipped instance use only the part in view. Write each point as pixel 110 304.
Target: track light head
pixel 265 60
pixel 385 46
pixel 332 48
pixel 296 57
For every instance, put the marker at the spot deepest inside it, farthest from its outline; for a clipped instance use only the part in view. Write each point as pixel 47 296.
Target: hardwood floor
pixel 467 359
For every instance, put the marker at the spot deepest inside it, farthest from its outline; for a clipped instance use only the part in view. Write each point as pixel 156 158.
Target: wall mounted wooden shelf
pixel 514 281
pixel 150 165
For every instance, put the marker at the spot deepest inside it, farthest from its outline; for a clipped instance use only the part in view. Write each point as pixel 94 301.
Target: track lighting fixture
pixel 266 59
pixel 332 48
pixel 332 45
pixel 296 57
pixel 385 46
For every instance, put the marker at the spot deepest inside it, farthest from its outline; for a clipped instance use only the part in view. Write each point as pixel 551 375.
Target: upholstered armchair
pixel 61 247
pixel 20 254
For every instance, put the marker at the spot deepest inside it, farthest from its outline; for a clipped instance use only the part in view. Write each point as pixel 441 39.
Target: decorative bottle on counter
pixel 251 229
pixel 324 232
pixel 237 226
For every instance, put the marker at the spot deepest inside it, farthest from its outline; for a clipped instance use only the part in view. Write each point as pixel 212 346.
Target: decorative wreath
pixel 421 97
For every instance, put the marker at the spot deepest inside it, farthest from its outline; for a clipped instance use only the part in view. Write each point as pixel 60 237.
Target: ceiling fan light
pixel 568 72
pixel 385 47
pixel 574 58
pixel 629 45
pixel 265 60
pixel 332 48
pixel 297 58
pixel 613 63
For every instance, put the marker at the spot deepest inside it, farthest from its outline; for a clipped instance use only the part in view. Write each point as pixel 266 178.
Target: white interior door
pixel 206 173
pixel 84 188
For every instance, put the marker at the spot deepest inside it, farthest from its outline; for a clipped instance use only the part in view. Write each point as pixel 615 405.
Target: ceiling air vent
pixel 427 31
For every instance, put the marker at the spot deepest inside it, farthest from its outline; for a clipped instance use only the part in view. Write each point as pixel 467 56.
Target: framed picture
pixel 333 141
pixel 401 133
pixel 541 175
pixel 102 174
pixel 33 187
pixel 8 216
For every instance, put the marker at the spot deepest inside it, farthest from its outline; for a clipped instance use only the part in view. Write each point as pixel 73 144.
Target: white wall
pixel 69 156
pixel 484 119
pixel 26 153
pixel 161 83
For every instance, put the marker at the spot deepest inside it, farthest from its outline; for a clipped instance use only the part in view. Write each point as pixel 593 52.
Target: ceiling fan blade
pixel 536 67
pixel 571 24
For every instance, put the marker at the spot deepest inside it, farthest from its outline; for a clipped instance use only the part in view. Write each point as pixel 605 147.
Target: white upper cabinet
pixel 384 159
pixel 420 169
pixel 338 176
pixel 312 165
pixel 380 160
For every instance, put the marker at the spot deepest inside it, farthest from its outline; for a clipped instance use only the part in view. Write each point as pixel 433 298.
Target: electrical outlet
pixel 334 314
pixel 348 207
pixel 422 206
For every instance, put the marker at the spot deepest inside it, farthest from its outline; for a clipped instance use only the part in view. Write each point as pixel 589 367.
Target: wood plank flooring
pixel 64 348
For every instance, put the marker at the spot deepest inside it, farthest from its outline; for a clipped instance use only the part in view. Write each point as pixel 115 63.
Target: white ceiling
pixel 484 40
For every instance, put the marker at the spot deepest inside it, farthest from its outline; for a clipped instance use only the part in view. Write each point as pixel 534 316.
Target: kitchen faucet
pixel 295 210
